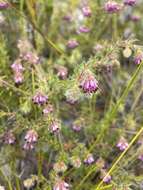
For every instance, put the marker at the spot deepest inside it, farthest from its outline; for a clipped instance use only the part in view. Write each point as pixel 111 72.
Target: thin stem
pixel 120 157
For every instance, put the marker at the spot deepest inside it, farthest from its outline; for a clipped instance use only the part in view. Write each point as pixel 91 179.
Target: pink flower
pixel 31 136
pixel 39 98
pixel 4 5
pixel 18 78
pixel 112 7
pixel 28 146
pixel 48 109
pixel 31 58
pixel 89 84
pixel 122 144
pixel 130 2
pixel 62 72
pixel 86 11
pixel 54 126
pixel 61 185
pixel 72 44
pixel 89 159
pixel 83 29
pixel 138 58
pixel 9 138
pixel 17 66
pixel 135 18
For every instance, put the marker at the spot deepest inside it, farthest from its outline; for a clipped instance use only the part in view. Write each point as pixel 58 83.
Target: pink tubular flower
pixel 61 185
pixel 62 72
pixel 54 127
pixel 130 2
pixel 4 5
pixel 9 138
pixel 31 136
pixel 138 58
pixel 17 66
pixel 48 109
pixel 86 11
pixel 112 7
pixel 31 58
pixel 28 146
pixel 89 159
pixel 72 44
pixel 89 84
pixel 122 144
pixel 39 98
pixel 18 78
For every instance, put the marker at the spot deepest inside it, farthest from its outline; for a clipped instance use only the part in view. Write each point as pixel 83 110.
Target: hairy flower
pixel 130 2
pixel 31 136
pixel 89 84
pixel 61 185
pixel 39 98
pixel 112 7
pixel 86 11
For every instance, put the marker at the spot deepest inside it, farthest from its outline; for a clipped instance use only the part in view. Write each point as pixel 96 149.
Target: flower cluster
pixel 31 138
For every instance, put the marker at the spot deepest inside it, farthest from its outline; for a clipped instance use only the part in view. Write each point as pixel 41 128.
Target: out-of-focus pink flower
pixel 31 58
pixel 112 7
pixel 54 126
pixel 86 11
pixel 83 29
pixel 4 5
pixel 72 44
pixel 130 2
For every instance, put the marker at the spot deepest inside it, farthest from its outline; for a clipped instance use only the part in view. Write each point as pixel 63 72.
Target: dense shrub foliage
pixel 71 92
